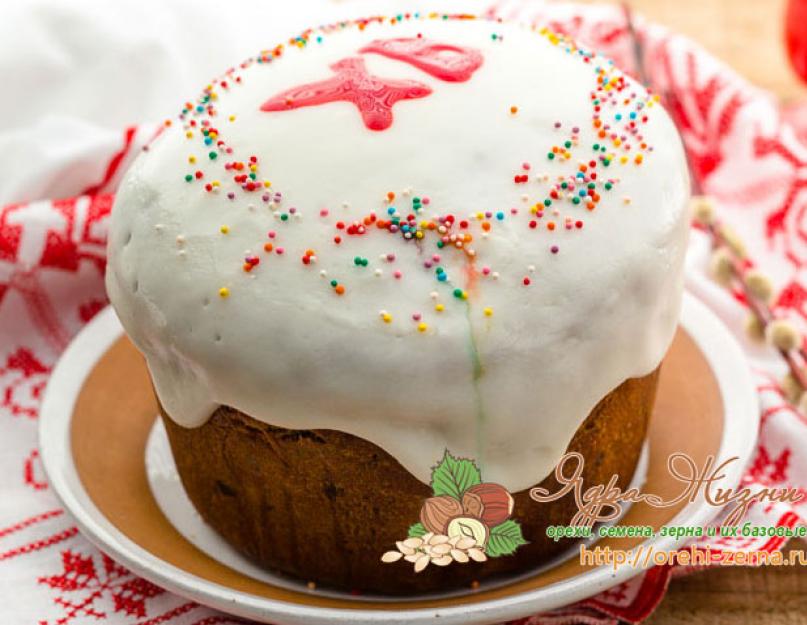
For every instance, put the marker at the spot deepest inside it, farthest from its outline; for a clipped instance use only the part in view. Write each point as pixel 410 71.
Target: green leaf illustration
pixel 453 476
pixel 416 530
pixel 504 539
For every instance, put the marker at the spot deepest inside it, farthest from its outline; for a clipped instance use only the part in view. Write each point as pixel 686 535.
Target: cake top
pixel 431 231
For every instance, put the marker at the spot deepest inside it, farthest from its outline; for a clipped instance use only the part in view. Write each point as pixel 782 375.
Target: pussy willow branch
pixel 758 307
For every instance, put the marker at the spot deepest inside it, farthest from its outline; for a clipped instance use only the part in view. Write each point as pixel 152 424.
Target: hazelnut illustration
pixel 489 502
pixel 438 511
pixel 468 527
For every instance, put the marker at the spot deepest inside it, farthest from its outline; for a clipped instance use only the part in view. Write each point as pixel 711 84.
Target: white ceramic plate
pixel 739 435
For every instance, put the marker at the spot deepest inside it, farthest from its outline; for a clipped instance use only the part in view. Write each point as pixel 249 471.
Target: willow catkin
pixel 754 328
pixel 802 406
pixel 792 389
pixel 720 266
pixel 782 334
pixel 703 209
pixel 759 285
pixel 733 241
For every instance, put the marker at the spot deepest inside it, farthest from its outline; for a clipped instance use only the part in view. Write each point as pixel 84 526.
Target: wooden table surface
pixel 747 34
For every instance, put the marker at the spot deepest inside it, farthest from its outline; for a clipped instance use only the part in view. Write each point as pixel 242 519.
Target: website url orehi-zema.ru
pixel 645 556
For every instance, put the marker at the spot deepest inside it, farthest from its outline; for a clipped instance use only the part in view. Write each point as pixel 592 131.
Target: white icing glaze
pixel 508 389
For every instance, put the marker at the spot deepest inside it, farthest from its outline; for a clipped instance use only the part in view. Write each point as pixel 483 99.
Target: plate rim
pixel 721 350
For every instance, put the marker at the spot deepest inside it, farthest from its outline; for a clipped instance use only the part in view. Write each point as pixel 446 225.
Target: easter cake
pixel 385 274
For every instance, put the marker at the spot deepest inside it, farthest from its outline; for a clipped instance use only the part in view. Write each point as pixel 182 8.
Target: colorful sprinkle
pixel 556 201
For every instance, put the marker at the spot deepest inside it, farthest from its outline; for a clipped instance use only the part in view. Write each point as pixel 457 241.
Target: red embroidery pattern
pixel 25 523
pixel 33 475
pixel 88 310
pixel 188 607
pixel 171 614
pixel 113 166
pixel 373 96
pixel 10 234
pixel 37 545
pixel 769 471
pixel 82 585
pixel 63 249
pixel 788 220
pixel 634 600
pixel 23 378
pixel 441 60
pixel 794 297
pixel 703 123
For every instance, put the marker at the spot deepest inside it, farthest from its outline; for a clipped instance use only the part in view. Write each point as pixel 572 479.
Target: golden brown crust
pixel 322 505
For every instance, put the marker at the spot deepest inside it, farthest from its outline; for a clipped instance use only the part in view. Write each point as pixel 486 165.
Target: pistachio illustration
pixel 468 527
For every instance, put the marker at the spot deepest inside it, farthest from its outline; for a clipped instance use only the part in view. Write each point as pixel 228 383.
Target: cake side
pixel 322 505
